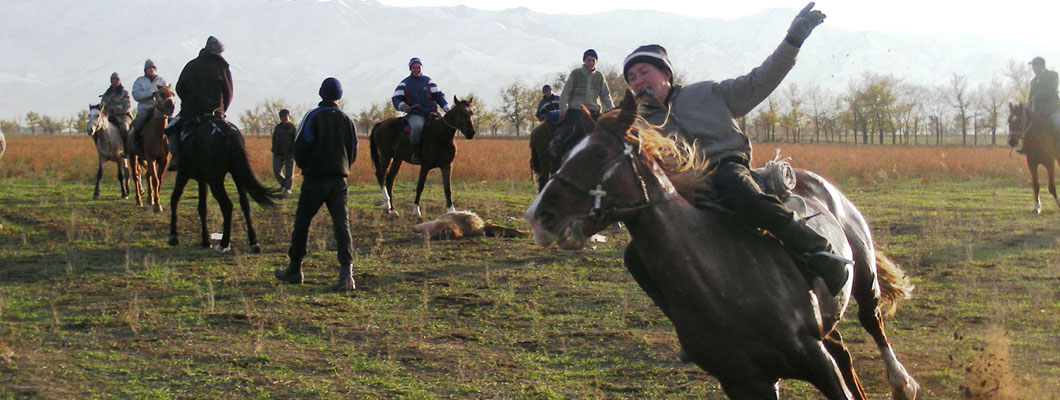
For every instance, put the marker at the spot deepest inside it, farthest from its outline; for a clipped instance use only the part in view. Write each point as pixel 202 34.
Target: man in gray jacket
pixel 706 112
pixel 585 86
pixel 143 92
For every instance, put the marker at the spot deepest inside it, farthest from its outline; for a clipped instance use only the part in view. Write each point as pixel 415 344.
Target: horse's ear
pixel 455 100
pixel 628 109
pixel 586 119
pixel 470 100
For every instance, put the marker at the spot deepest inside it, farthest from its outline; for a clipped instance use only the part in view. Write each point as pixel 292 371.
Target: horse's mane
pixel 678 158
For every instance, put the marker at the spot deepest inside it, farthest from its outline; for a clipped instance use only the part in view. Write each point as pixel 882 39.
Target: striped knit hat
pixel 653 54
pixel 414 60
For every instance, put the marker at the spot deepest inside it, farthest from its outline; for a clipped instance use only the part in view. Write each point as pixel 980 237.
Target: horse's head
pixel 164 102
pixel 1018 123
pixel 611 175
pixel 460 116
pixel 96 119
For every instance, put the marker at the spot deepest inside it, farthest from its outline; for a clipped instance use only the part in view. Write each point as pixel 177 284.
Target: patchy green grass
pixel 94 304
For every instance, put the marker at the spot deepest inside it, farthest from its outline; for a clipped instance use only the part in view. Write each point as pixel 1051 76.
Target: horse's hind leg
pixel 446 174
pixel 136 180
pixel 99 177
pixel 1035 187
pixel 867 293
pixel 123 178
pixel 217 187
pixel 384 184
pixel 419 190
pixel 1050 172
pixel 390 176
pixel 834 343
pixel 244 205
pixel 178 190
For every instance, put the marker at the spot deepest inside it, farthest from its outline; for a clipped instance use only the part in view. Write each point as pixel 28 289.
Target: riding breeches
pixel 416 123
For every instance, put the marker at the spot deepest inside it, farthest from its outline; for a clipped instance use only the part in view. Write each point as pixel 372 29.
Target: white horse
pixel 109 147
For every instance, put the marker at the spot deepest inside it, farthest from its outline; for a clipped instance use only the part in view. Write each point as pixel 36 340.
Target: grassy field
pixel 94 304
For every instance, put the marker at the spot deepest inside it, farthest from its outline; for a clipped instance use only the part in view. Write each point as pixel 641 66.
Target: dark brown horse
pixel 390 147
pixel 212 151
pixel 154 148
pixel 1040 147
pixel 542 164
pixel 742 310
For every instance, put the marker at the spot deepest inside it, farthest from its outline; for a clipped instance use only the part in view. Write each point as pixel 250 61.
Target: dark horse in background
pixel 742 310
pixel 213 150
pixel 154 148
pixel 542 163
pixel 390 147
pixel 1039 145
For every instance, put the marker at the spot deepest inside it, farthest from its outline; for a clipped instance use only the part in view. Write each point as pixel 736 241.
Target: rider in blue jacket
pixel 419 98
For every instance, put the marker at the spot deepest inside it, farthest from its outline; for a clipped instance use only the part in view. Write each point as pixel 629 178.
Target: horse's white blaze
pixel 579 147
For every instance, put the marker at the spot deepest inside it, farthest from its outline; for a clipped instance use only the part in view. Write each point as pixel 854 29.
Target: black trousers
pixel 741 194
pixel 317 191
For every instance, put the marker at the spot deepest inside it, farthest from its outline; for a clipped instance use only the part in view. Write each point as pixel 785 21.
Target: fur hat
pixel 588 53
pixel 214 46
pixel 653 54
pixel 330 89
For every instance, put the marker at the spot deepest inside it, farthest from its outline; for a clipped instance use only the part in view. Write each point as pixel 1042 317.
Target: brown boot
pixel 345 282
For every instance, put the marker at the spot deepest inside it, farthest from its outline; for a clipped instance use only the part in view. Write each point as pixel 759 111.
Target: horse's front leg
pixel 99 177
pixel 178 190
pixel 123 178
pixel 1035 187
pixel 136 180
pixel 1050 172
pixel 446 174
pixel 419 190
pixel 389 189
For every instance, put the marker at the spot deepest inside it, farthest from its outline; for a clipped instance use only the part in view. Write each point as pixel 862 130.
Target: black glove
pixel 804 22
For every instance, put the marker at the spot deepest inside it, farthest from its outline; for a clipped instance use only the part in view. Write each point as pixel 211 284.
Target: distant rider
pixel 204 88
pixel 116 105
pixel 705 113
pixel 1043 102
pixel 585 86
pixel 548 107
pixel 419 98
pixel 143 92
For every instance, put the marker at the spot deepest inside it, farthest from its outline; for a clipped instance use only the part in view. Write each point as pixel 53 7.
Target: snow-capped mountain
pixel 58 54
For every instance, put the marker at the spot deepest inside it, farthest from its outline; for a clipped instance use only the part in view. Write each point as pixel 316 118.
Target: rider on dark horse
pixel 1043 103
pixel 548 107
pixel 705 113
pixel 205 89
pixel 419 98
pixel 587 87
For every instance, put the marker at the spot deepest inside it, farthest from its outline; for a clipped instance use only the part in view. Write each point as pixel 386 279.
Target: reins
pixel 598 212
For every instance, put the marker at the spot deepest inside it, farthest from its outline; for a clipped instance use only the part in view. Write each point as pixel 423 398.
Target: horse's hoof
pixel 451 209
pixel 204 245
pixel 344 285
pixel 221 250
pixel 124 197
pixel 95 196
pixel 158 208
pixel 173 241
pixel 255 248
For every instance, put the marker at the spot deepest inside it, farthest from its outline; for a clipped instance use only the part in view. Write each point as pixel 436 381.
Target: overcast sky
pixel 1033 21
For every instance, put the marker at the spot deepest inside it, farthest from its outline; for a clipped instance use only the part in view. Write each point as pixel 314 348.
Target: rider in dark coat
pixel 116 104
pixel 706 112
pixel 546 107
pixel 204 88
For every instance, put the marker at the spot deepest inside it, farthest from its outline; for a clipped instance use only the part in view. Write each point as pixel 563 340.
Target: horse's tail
pixel 373 148
pixel 535 166
pixel 244 176
pixel 895 285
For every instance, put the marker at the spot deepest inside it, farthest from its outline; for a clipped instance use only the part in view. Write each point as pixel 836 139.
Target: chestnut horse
pixel 742 310
pixel 389 147
pixel 108 148
pixel 154 148
pixel 1040 147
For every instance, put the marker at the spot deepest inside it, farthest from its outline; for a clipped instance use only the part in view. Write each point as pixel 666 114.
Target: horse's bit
pixel 598 212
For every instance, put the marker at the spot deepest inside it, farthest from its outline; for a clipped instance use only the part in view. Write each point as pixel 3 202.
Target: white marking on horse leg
pixel 903 386
pixel 1037 208
pixel 416 210
pixel 451 209
pixel 386 200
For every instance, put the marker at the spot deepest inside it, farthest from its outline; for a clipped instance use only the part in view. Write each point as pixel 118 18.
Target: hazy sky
pixel 1034 21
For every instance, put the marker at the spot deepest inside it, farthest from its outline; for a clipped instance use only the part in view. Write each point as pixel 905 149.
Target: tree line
pixel 873 109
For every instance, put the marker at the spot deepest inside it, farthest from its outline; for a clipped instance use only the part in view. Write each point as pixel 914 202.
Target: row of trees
pixel 874 108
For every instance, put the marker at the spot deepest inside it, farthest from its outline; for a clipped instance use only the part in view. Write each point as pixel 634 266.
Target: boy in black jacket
pixel 324 148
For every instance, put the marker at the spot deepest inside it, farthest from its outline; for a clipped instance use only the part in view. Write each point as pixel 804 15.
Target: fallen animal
pixel 458 224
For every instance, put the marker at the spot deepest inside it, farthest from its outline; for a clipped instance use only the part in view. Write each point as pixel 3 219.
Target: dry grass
pixel 73 158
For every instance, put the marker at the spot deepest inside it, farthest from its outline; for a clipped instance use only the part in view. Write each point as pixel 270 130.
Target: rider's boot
pixel 174 159
pixel 813 251
pixel 291 274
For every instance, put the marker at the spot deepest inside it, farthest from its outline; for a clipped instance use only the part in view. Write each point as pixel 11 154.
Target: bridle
pixel 598 212
pixel 451 126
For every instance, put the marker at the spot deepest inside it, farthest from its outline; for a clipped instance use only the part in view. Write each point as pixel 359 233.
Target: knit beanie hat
pixel 653 54
pixel 114 76
pixel 331 89
pixel 588 53
pixel 214 46
pixel 149 64
pixel 414 60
